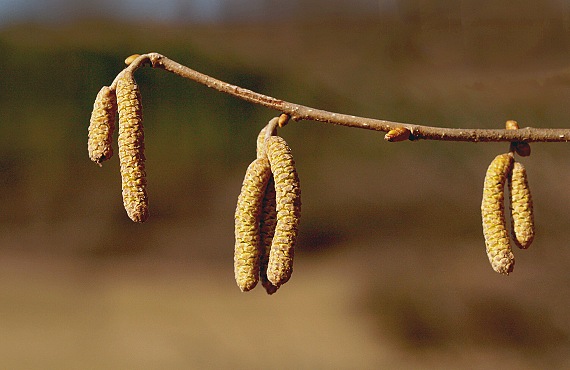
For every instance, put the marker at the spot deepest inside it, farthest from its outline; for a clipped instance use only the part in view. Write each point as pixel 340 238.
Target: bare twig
pixel 301 112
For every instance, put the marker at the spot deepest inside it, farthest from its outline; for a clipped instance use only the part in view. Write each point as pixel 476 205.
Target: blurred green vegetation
pixel 196 137
pixel 429 69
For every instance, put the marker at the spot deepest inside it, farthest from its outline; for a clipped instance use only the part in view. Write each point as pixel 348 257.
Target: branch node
pixel 521 147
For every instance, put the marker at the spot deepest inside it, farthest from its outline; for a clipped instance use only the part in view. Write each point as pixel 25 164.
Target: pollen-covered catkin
pixel 247 224
pixel 267 224
pixel 131 147
pixel 493 214
pixel 288 205
pixel 522 218
pixel 268 218
pixel 102 125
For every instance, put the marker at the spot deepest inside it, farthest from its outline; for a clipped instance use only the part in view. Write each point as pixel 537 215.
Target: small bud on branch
pixel 397 134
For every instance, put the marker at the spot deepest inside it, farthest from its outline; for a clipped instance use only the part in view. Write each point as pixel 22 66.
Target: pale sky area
pixel 209 11
pixel 14 11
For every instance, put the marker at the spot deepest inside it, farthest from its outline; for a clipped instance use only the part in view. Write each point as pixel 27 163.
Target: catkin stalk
pixel 288 206
pixel 493 215
pixel 102 125
pixel 131 147
pixel 247 224
pixel 522 218
pixel 263 135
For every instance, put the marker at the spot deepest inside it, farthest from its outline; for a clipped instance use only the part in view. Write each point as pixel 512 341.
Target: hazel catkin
pixel 522 218
pixel 102 125
pixel 268 218
pixel 267 224
pixel 288 206
pixel 493 215
pixel 247 224
pixel 131 147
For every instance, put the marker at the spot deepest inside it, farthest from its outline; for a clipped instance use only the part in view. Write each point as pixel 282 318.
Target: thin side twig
pixel 301 112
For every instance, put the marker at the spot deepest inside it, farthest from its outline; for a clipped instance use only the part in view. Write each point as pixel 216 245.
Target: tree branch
pixel 301 112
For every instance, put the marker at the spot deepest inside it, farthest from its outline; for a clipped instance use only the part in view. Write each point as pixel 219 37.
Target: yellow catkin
pixel 288 205
pixel 131 148
pixel 268 218
pixel 522 218
pixel 267 225
pixel 493 214
pixel 247 224
pixel 102 125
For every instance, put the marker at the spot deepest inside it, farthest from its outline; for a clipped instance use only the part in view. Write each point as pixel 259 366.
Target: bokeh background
pixel 390 270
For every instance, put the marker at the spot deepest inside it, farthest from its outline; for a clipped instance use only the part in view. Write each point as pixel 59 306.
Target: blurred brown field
pixel 390 270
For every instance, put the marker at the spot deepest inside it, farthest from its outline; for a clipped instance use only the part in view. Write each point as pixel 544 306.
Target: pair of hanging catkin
pixel 502 169
pixel 123 96
pixel 267 215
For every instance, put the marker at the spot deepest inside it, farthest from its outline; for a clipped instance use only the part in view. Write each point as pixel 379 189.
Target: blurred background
pixel 390 270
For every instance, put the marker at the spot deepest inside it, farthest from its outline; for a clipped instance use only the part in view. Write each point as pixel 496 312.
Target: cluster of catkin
pixel 122 96
pixel 267 215
pixel 502 170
